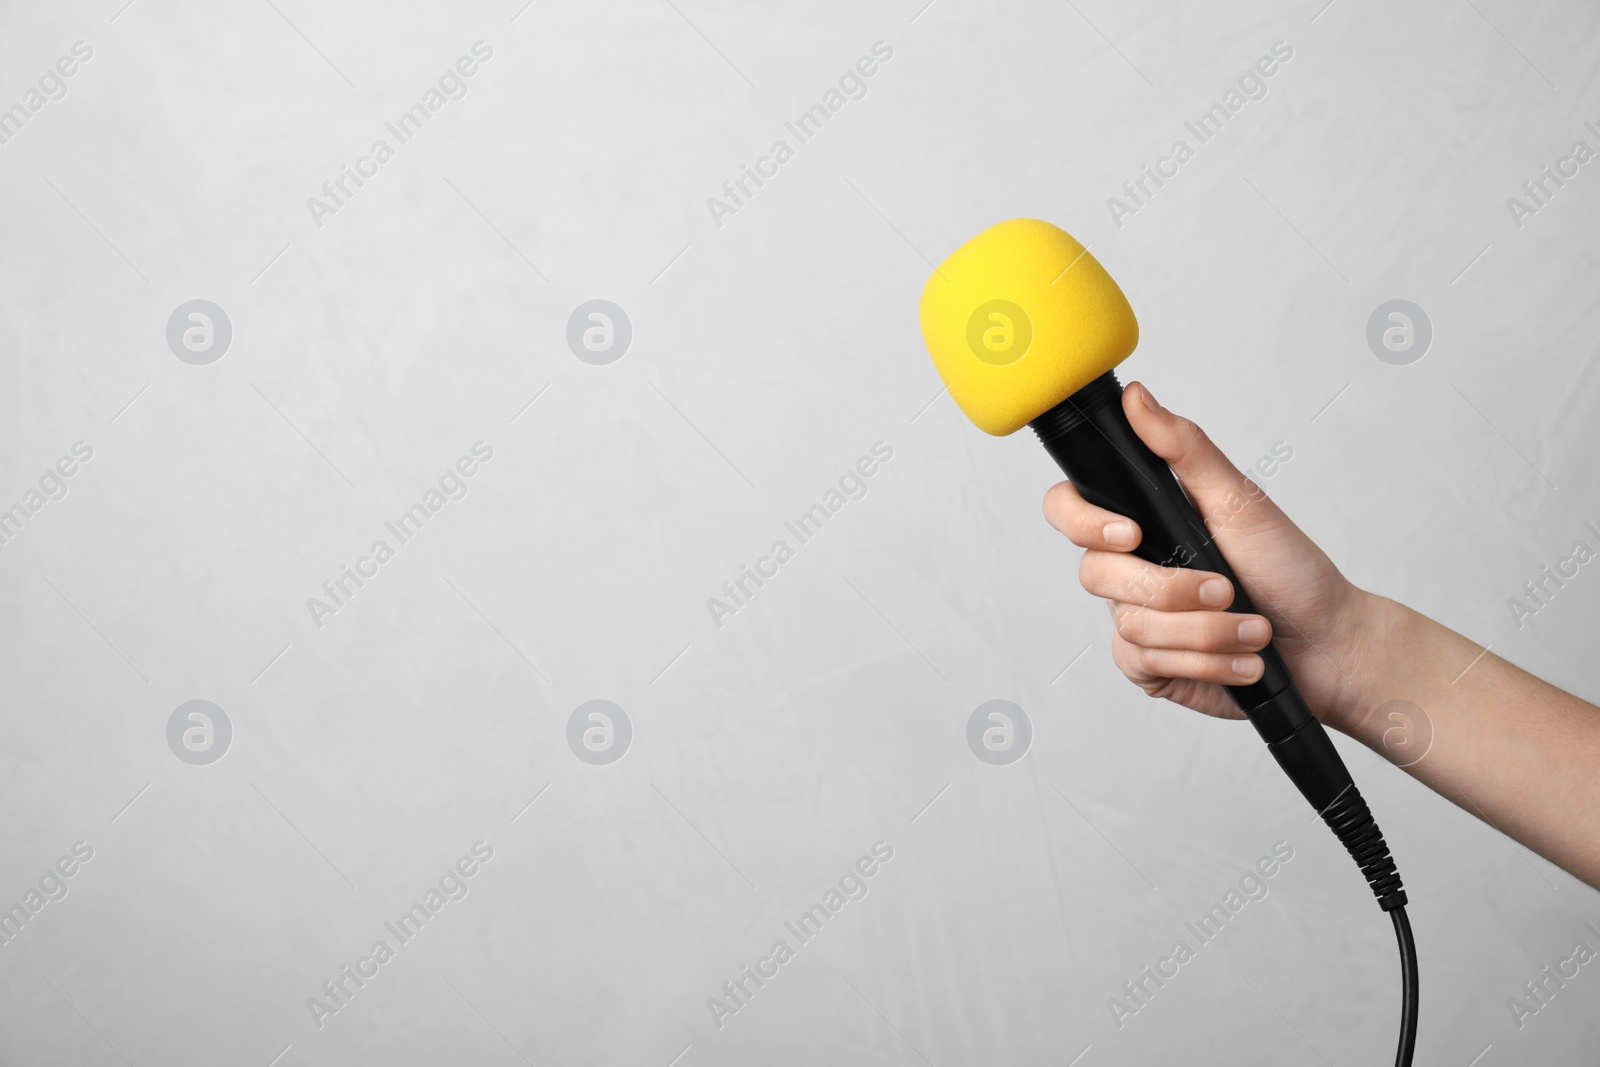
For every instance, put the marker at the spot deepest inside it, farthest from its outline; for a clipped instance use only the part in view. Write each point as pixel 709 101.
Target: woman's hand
pixel 1173 637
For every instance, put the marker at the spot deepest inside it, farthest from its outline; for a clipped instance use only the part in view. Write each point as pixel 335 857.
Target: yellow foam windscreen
pixel 1021 317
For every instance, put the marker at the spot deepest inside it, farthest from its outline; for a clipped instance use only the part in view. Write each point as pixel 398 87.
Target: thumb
pixel 1220 492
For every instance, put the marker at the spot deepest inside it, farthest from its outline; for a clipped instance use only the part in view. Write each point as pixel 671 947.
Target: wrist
pixel 1372 629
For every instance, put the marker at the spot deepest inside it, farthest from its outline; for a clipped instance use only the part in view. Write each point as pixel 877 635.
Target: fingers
pixel 1086 525
pixel 1170 623
pixel 1173 636
pixel 1118 576
pixel 1146 667
pixel 1218 488
pixel 1219 632
pixel 1199 464
pixel 1223 496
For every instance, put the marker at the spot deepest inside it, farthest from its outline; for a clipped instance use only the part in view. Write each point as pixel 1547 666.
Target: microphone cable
pixel 1409 986
pixel 1352 823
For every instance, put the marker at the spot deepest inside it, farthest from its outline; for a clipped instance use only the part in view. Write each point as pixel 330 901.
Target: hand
pixel 1172 637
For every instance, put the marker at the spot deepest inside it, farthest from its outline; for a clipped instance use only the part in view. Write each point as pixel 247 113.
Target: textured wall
pixel 418 339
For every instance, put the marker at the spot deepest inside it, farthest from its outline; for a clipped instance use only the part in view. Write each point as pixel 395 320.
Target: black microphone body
pixel 1089 436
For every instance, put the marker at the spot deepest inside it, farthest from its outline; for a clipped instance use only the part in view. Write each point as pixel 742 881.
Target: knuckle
pixel 1091 571
pixel 1218 636
pixel 1049 508
pixel 1175 595
pixel 1135 625
pixel 1188 664
pixel 1065 510
pixel 1165 590
pixel 1126 623
pixel 1144 587
pixel 1191 436
pixel 1184 663
pixel 1123 656
pixel 1055 502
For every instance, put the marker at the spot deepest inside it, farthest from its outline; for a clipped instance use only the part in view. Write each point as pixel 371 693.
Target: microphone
pixel 1025 327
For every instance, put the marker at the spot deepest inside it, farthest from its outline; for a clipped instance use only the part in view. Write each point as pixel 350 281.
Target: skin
pixel 1505 746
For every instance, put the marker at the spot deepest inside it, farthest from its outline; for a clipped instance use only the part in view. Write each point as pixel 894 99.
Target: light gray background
pixel 768 354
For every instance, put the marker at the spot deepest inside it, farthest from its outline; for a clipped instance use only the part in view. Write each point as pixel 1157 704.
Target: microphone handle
pixel 1089 436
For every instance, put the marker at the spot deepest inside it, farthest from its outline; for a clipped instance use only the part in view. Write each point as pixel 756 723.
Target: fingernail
pixel 1118 533
pixel 1247 667
pixel 1214 592
pixel 1254 632
pixel 1149 398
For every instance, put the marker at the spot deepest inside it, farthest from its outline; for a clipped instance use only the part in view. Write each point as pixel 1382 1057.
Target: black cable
pixel 1351 821
pixel 1409 987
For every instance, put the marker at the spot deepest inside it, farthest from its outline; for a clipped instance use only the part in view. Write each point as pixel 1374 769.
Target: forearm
pixel 1511 749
